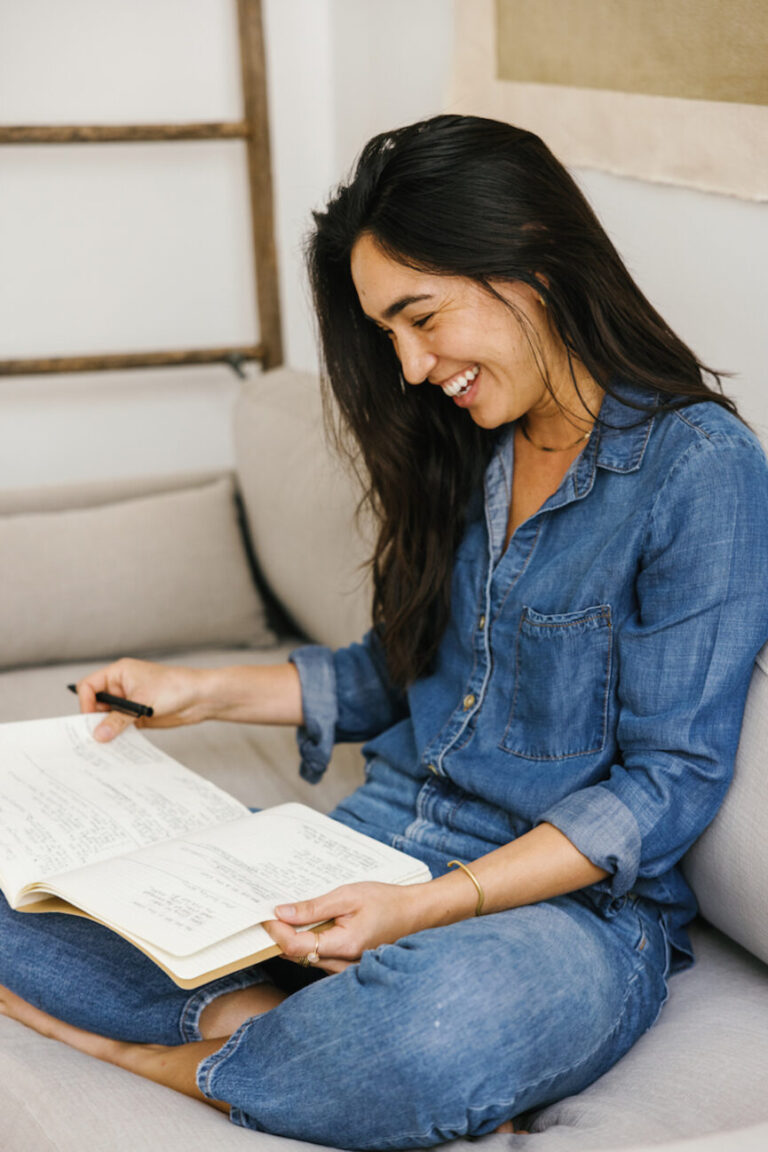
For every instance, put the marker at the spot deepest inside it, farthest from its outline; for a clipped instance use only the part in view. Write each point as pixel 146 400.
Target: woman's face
pixel 449 332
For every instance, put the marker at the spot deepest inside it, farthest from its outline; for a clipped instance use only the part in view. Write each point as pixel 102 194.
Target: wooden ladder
pixel 254 130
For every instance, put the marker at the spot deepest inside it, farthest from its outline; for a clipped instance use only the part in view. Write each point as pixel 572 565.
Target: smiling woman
pixel 569 597
pixel 471 248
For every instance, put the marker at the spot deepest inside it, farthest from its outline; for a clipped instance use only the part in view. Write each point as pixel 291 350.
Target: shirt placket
pixel 503 569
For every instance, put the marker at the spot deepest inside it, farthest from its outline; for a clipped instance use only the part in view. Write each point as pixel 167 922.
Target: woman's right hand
pixel 176 695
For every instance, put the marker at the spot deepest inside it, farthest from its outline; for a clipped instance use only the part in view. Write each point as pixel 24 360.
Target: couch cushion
pixel 301 502
pixel 152 562
pixel 728 866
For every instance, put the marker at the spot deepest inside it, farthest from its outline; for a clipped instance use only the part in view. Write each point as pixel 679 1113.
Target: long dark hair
pixel 464 196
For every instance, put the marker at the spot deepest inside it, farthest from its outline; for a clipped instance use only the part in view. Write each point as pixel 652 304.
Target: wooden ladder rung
pixel 231 356
pixel 120 133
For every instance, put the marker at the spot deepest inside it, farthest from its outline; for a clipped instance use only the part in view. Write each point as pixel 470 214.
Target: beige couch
pixel 164 568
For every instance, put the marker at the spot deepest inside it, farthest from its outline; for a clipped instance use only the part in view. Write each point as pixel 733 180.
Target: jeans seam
pixel 207 1068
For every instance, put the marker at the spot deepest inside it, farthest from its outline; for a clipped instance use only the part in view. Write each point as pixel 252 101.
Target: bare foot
pixel 15 1008
pixel 509 1126
pixel 173 1066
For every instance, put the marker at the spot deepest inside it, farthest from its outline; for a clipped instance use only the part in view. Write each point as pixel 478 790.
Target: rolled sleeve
pixel 346 696
pixel 604 830
pixel 319 700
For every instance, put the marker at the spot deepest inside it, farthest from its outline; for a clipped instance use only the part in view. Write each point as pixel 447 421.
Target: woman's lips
pixel 467 395
pixel 461 383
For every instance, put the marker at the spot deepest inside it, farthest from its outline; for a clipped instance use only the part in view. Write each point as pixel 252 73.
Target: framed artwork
pixel 668 90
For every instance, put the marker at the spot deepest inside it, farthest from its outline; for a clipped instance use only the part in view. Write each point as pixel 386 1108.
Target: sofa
pixel 239 567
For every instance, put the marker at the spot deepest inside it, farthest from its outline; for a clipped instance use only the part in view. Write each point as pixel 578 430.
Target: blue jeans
pixel 447 1033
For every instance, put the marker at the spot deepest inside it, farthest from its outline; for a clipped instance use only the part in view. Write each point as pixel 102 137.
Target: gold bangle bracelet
pixel 475 881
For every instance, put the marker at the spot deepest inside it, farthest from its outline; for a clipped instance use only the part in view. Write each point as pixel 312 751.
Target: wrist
pixel 254 694
pixel 210 689
pixel 444 900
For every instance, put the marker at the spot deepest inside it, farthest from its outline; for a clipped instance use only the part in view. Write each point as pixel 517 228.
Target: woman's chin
pixel 487 417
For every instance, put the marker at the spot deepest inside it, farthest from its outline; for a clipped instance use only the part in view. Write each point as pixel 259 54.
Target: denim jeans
pixel 447 1033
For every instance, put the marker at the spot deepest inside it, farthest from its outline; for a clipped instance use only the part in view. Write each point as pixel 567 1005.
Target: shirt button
pixel 468 701
pixel 432 768
pixel 481 623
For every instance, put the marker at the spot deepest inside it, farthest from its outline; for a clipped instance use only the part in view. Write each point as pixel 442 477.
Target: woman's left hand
pixel 364 916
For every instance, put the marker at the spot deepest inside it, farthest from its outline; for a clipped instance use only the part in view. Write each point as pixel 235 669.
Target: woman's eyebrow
pixel 403 302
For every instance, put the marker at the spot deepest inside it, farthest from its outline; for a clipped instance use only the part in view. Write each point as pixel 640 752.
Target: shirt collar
pixel 620 436
pixel 623 431
pixel 617 444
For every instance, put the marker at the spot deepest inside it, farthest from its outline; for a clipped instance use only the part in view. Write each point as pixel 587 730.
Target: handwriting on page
pixel 186 894
pixel 62 810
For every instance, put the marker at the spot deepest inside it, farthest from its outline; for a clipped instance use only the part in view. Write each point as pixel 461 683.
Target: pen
pixel 119 703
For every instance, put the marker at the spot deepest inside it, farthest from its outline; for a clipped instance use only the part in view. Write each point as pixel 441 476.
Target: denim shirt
pixel 593 674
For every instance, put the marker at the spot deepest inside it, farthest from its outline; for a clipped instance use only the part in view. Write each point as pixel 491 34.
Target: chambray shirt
pixel 592 675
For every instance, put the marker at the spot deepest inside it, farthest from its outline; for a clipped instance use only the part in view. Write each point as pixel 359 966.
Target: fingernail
pixel 285 909
pixel 102 732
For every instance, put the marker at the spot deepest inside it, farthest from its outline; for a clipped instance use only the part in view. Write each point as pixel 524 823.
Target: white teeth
pixel 460 384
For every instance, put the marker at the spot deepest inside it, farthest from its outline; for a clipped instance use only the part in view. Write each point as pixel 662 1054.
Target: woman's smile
pixel 460 385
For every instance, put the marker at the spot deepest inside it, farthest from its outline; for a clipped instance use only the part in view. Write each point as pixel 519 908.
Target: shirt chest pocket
pixel 562 673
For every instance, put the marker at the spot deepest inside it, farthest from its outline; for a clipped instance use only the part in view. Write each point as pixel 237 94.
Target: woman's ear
pixel 540 279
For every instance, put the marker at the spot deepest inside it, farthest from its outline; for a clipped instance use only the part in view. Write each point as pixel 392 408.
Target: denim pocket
pixel 562 677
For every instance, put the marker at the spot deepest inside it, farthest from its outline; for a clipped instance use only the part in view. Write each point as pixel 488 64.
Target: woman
pixel 569 595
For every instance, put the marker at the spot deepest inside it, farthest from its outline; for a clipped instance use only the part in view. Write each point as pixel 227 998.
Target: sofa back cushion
pixel 301 503
pixel 728 865
pixel 147 575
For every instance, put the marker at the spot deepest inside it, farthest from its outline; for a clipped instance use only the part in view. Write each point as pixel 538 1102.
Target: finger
pixel 108 679
pixel 111 726
pixel 297 946
pixel 334 943
pixel 339 902
pixel 294 945
pixel 331 944
pixel 333 966
pixel 86 697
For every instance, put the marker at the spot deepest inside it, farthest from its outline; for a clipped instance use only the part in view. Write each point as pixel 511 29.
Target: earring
pixel 403 385
pixel 542 301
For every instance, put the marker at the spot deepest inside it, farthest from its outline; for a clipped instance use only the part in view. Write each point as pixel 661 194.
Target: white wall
pixel 703 262
pixel 121 247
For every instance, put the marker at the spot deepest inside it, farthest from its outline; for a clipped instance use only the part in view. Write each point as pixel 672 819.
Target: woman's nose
pixel 416 361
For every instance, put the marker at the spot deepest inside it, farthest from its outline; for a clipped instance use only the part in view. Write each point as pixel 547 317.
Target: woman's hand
pixel 364 916
pixel 249 694
pixel 177 695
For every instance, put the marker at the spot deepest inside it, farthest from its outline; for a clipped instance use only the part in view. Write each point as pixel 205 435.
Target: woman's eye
pixel 423 320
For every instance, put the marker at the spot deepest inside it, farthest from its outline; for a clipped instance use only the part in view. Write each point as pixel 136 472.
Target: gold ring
pixel 304 961
pixel 314 955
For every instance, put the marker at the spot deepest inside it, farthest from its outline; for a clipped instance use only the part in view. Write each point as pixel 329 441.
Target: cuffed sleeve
pixel 316 736
pixel 369 703
pixel 346 696
pixel 684 663
pixel 604 830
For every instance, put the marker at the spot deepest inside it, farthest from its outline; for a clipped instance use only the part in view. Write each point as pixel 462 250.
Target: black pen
pixel 119 703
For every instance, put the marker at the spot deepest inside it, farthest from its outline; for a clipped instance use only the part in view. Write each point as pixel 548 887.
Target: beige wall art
pixel 669 90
